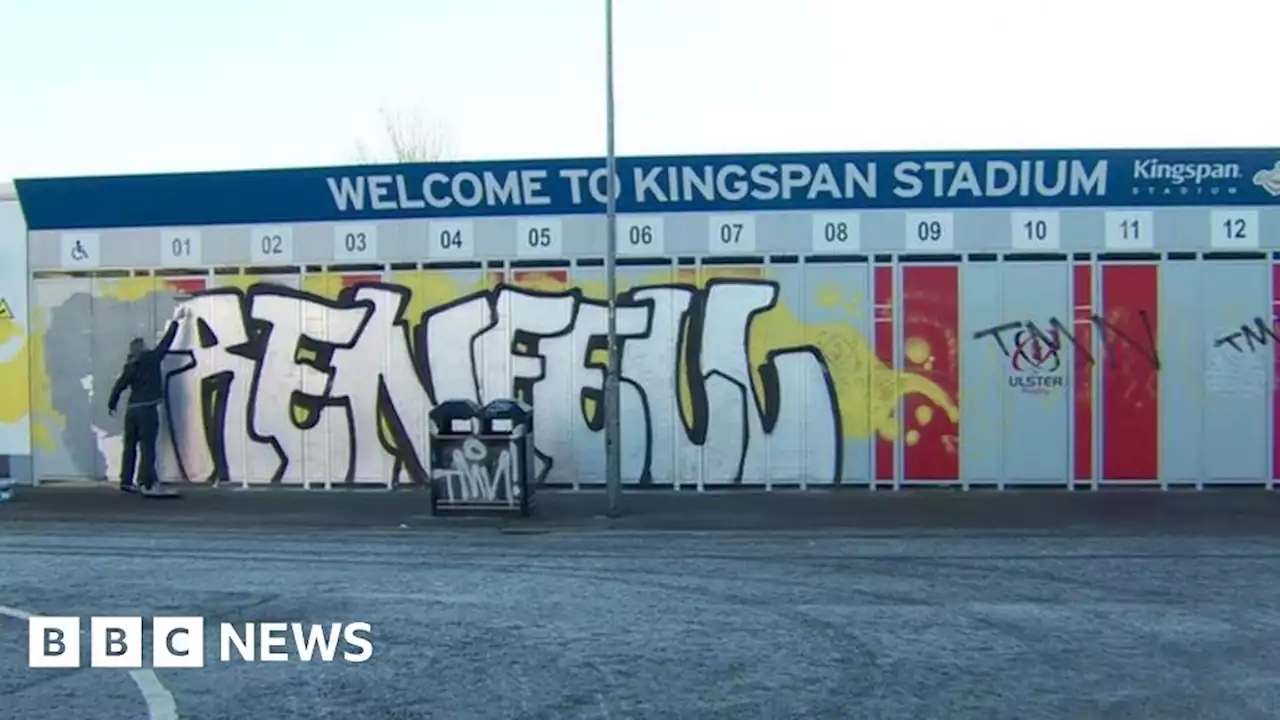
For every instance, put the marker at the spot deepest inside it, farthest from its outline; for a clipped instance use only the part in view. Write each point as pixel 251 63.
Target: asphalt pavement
pixel 1098 611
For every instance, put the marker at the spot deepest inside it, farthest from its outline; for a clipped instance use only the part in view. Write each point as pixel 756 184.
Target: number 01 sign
pixel 180 247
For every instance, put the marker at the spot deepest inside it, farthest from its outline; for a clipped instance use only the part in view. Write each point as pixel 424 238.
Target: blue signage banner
pixel 746 183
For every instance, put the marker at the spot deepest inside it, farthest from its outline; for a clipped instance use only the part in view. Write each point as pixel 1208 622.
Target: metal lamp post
pixel 612 430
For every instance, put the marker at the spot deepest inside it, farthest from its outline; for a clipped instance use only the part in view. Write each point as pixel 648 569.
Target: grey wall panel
pixel 983 372
pixel 1236 398
pixel 1037 392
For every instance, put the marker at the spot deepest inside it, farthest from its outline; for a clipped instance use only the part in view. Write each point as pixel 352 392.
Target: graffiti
pixel 263 368
pixel 475 476
pixel 1113 338
pixel 728 376
pixel 1254 335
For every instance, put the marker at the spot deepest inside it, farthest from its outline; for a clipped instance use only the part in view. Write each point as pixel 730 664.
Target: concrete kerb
pixel 848 510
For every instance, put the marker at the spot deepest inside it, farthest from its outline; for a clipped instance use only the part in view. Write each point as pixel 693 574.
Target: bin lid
pixel 504 415
pixel 458 409
pixel 507 408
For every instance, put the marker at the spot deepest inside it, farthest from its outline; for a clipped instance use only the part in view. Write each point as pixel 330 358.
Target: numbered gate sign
pixel 354 243
pixel 1035 230
pixel 731 234
pixel 539 237
pixel 930 232
pixel 837 233
pixel 1130 230
pixel 271 244
pixel 451 240
pixel 1234 229
pixel 640 235
pixel 180 247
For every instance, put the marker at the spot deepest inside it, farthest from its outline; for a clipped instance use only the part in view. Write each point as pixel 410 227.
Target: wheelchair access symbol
pixel 80 250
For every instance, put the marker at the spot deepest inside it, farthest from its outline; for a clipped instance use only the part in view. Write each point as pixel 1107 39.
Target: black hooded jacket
pixel 141 374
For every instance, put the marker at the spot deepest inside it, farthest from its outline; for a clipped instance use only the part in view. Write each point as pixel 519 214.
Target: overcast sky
pixel 131 86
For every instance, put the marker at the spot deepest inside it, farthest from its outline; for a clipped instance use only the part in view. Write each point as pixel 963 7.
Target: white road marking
pixel 160 702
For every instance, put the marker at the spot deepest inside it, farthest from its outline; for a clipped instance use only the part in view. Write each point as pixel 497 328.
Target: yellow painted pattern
pixel 15 402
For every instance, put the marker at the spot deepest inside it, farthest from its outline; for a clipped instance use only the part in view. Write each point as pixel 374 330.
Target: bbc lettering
pixel 178 642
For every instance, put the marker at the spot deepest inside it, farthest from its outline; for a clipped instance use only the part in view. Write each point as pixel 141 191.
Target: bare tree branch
pixel 406 137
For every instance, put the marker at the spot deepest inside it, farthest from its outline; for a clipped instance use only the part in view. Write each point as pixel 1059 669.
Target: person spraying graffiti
pixel 141 376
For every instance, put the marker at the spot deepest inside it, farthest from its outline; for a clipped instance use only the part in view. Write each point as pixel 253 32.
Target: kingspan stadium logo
pixel 1156 177
pixel 1269 180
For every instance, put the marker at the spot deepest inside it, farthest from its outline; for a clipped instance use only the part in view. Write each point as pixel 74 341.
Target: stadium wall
pixel 877 320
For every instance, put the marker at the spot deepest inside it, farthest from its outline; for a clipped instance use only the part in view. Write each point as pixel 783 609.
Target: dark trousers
pixel 141 427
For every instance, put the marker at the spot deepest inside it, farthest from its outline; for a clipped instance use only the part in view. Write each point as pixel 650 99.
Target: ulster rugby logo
pixel 1268 180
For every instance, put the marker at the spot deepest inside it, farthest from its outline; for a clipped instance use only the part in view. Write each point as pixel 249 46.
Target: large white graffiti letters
pixel 208 399
pixel 650 390
pixel 738 414
pixel 284 386
pixel 382 389
pixel 295 378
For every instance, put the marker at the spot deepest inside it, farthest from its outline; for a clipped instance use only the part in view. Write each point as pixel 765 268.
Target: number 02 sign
pixel 271 244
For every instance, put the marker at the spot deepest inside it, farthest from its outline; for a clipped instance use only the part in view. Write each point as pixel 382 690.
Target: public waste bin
pixel 453 425
pixel 506 427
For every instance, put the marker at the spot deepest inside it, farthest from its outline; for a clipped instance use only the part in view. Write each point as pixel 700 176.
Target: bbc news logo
pixel 178 642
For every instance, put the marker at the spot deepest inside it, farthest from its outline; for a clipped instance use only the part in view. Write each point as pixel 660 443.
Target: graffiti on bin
pixel 475 472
